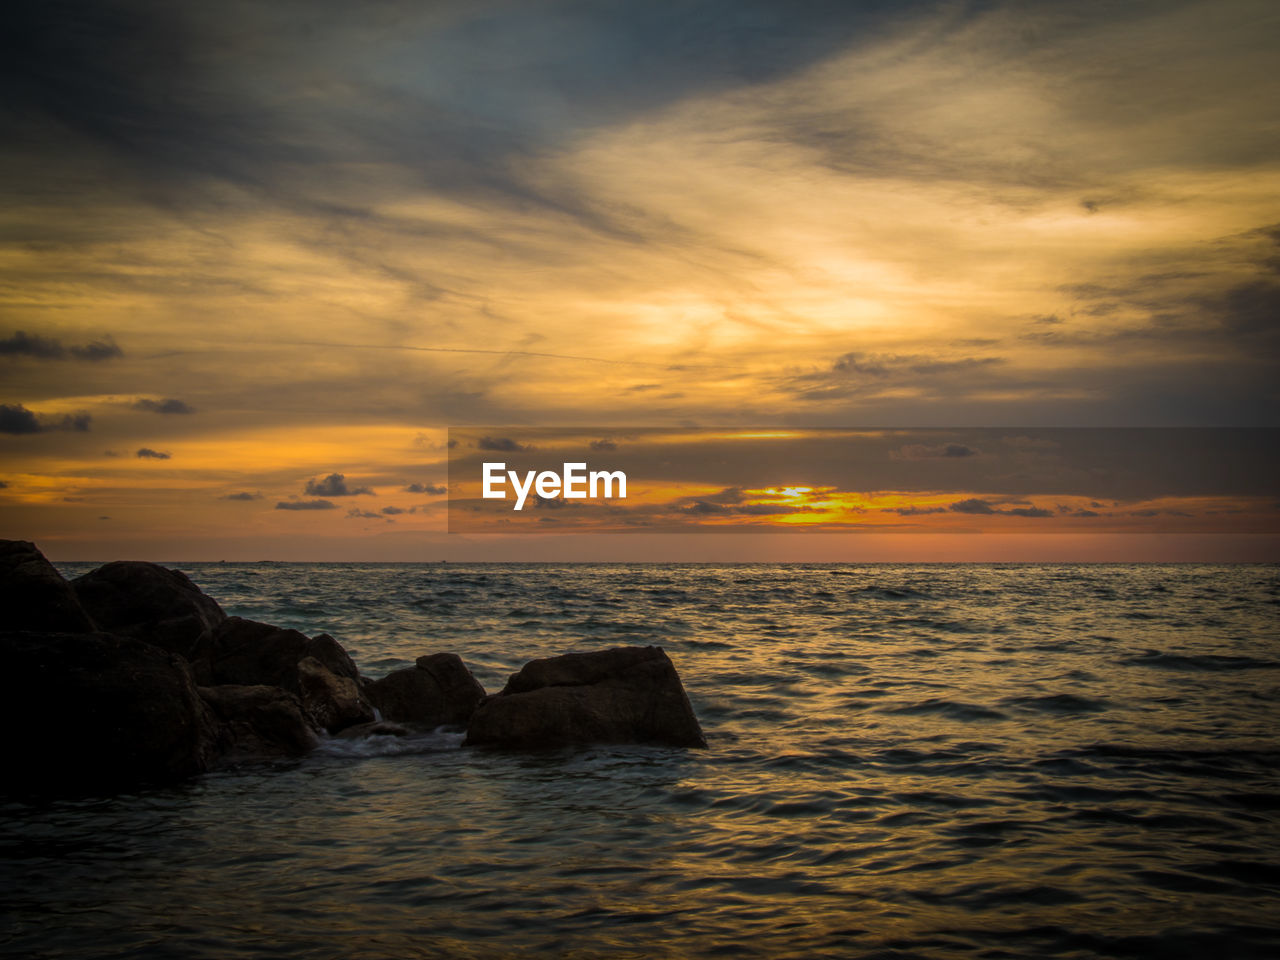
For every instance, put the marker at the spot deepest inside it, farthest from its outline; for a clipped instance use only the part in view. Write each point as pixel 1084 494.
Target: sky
pixel 249 248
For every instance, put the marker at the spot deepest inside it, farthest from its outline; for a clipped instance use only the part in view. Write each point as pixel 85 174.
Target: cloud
pixel 242 496
pixel 500 445
pixel 334 485
pixel 306 505
pixel 146 453
pixel 974 505
pixel 17 419
pixel 23 344
pixel 860 375
pixel 163 406
pixel 434 489
pixel 4 484
pixel 946 451
pixel 603 445
pixel 355 513
pixel 392 511
pixel 1028 512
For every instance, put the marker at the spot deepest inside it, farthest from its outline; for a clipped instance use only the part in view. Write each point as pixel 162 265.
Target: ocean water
pixel 905 761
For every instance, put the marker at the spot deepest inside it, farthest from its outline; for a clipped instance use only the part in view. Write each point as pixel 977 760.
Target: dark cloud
pixel 17 419
pixel 4 484
pixel 146 453
pixel 334 485
pixel 1251 312
pixel 944 451
pixel 981 507
pixel 23 344
pixel 392 511
pixel 603 445
pixel 457 96
pixel 306 505
pixel 973 505
pixel 434 489
pixel 355 513
pixel 916 511
pixel 1028 512
pixel 855 375
pixel 163 406
pixel 500 445
pixel 242 496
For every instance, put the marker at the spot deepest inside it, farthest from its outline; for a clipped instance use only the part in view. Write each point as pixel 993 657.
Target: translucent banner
pixel 825 480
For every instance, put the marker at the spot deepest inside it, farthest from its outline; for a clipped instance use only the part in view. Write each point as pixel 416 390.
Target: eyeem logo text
pixel 572 483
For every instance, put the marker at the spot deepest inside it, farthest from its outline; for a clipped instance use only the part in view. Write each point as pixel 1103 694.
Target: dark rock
pixel 438 690
pixel 152 603
pixel 34 596
pixel 247 652
pixel 333 702
pixel 379 728
pixel 623 695
pixel 91 712
pixel 259 722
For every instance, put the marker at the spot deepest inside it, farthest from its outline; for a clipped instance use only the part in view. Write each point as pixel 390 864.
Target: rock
pixel 34 596
pixel 623 695
pixel 379 728
pixel 93 712
pixel 438 690
pixel 152 603
pixel 259 722
pixel 333 702
pixel 247 652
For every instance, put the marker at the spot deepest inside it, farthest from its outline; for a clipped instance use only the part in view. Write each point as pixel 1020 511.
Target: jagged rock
pixel 91 712
pixel 333 702
pixel 438 690
pixel 247 652
pixel 259 722
pixel 33 595
pixel 379 728
pixel 623 695
pixel 152 603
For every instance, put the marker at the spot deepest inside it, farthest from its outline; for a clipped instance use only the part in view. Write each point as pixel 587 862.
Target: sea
pixel 950 761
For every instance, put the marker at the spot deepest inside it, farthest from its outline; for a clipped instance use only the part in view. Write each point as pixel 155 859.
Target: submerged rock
pixel 623 695
pixel 91 712
pixel 259 722
pixel 152 603
pixel 437 690
pixel 33 595
pixel 379 728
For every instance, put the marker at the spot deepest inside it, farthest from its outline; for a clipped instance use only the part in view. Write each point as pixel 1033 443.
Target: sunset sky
pixel 260 255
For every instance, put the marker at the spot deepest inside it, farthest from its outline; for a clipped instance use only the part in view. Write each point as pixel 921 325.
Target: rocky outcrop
pixel 247 652
pixel 259 722
pixel 438 690
pixel 99 712
pixel 333 702
pixel 132 675
pixel 623 695
pixel 33 595
pixel 151 602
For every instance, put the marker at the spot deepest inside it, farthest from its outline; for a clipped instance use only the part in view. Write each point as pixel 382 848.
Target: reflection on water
pixel 942 761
